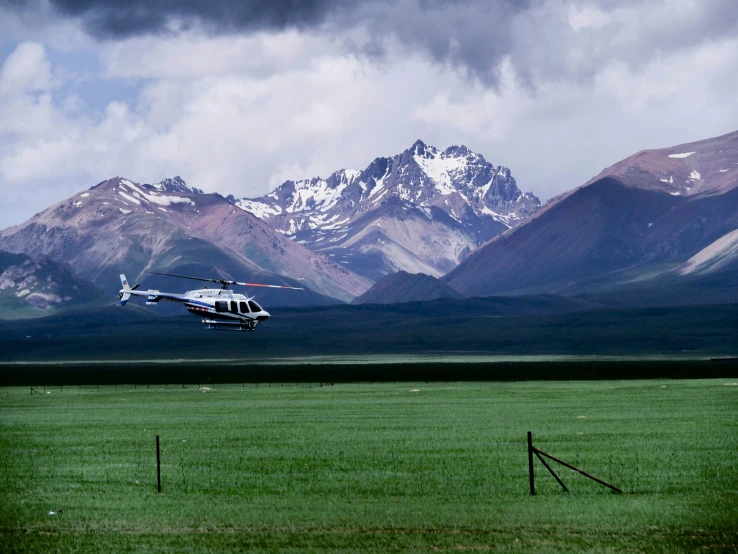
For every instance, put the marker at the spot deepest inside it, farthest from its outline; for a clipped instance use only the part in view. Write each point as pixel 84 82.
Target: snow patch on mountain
pixel 440 168
pixel 351 174
pixel 129 198
pixel 682 155
pixel 176 184
pixel 259 209
pixel 316 195
pixel 140 194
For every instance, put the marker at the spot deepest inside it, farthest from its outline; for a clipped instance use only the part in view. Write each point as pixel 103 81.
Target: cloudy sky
pixel 238 96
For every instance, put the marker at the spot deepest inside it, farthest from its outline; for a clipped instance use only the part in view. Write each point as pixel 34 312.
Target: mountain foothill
pixel 425 224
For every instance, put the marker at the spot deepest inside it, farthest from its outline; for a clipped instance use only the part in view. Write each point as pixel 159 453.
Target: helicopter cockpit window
pixel 244 308
pixel 254 306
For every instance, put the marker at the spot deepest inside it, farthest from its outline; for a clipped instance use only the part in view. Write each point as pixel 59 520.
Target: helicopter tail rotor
pixel 125 293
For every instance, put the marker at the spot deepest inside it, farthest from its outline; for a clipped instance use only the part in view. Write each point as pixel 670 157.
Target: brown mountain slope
pixel 119 226
pixel 706 167
pixel 639 218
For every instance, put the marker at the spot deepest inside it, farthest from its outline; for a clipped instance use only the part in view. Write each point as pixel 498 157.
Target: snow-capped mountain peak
pixel 441 168
pixel 455 185
pixel 305 196
pixel 176 184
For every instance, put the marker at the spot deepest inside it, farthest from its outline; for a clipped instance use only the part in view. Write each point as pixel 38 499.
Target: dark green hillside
pixel 406 287
pixel 31 288
pixel 543 326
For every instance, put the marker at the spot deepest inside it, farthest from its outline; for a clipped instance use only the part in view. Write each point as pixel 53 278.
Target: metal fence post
pixel 158 465
pixel 530 463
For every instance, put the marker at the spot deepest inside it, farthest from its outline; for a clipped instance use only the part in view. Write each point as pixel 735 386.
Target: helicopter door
pixel 234 307
pixel 244 307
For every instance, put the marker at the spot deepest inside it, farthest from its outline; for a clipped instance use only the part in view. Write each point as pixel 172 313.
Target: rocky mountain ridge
pixel 423 210
pixel 121 226
pixel 176 184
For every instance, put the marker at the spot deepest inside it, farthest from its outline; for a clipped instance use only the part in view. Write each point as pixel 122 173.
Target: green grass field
pixel 364 467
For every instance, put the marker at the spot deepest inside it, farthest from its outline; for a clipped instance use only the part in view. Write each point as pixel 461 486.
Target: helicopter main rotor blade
pixel 225 282
pixel 221 281
pixel 268 286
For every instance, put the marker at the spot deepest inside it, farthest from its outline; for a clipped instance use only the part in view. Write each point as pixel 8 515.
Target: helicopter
pixel 223 309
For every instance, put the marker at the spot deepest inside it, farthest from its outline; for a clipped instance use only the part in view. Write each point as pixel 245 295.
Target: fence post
pixel 530 463
pixel 158 465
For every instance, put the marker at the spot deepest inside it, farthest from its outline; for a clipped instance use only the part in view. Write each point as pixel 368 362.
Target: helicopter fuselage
pixel 224 306
pixel 222 309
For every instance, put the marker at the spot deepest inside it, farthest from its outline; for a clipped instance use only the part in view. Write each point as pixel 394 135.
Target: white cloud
pixel 192 56
pixel 25 70
pixel 566 132
pixel 587 16
pixel 242 114
pixel 38 23
pixel 487 115
pixel 682 77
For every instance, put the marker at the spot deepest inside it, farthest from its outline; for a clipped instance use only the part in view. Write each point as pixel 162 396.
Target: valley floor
pixel 491 327
pixel 411 467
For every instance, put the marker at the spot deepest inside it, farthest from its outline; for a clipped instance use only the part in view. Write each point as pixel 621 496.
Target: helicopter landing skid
pixel 219 325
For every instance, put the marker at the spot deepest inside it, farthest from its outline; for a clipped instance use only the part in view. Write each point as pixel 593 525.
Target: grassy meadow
pixel 369 467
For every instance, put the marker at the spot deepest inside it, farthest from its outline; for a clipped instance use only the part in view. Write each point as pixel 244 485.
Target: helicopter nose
pixel 263 316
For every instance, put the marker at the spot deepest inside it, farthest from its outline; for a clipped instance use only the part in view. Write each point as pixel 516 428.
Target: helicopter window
pixel 244 308
pixel 234 307
pixel 254 306
pixel 221 306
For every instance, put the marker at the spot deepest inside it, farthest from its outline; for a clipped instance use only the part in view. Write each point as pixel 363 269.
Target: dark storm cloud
pixel 472 36
pixel 105 19
pixel 110 19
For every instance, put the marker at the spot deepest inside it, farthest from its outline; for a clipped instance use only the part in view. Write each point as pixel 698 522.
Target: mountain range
pixel 421 211
pixel 660 226
pixel 119 226
pixel 654 217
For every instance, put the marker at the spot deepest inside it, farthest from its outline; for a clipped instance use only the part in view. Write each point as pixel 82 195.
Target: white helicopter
pixel 221 307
